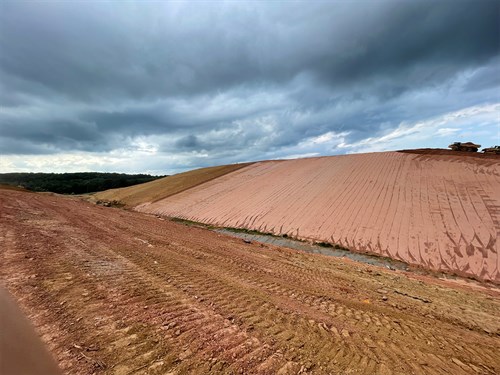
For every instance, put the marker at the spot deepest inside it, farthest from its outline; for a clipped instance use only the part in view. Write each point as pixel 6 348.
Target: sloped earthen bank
pixel 436 211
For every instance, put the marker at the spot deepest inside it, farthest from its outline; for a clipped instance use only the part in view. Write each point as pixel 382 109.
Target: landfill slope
pixel 438 211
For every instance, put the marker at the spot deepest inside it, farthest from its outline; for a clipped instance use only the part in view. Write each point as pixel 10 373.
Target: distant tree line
pixel 74 183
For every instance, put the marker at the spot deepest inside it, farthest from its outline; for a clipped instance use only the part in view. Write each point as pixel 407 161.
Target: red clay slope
pixel 438 211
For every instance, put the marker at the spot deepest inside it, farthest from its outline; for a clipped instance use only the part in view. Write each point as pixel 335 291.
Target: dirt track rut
pixel 118 292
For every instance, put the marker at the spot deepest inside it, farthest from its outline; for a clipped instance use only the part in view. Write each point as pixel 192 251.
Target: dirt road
pixel 118 292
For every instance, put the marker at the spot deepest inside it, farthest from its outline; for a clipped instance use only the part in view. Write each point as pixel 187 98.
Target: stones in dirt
pixel 256 302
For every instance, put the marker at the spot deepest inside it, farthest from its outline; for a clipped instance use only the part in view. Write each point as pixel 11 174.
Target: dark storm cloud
pixel 21 146
pixel 413 37
pixel 235 78
pixel 189 142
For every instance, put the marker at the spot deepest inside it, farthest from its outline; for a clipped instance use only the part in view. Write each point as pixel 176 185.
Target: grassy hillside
pixel 73 183
pixel 165 187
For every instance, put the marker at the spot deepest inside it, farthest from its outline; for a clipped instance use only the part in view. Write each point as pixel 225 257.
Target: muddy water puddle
pixel 317 249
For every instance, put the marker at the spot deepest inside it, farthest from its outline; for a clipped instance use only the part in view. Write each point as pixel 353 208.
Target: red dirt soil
pixel 441 212
pixel 460 154
pixel 118 292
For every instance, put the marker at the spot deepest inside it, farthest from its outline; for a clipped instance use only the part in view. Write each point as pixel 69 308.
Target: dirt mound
pixel 441 212
pixel 117 292
pixel 164 187
pixel 440 151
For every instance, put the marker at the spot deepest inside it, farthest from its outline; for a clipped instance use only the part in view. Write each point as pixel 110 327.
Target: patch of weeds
pixel 323 244
pixel 117 204
pixel 249 231
pixel 259 233
pixel 191 223
pixel 114 203
pixel 338 247
pixel 329 245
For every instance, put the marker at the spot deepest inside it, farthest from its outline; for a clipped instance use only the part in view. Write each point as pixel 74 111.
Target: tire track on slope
pixel 367 218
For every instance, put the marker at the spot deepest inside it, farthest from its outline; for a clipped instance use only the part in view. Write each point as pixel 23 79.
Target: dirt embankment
pixel 118 292
pixel 441 212
pixel 164 187
pixel 455 154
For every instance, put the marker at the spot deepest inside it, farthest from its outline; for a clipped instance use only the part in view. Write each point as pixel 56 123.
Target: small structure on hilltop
pixel 466 146
pixel 492 150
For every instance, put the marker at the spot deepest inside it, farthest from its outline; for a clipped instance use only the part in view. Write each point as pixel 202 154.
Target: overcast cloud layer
pixel 164 87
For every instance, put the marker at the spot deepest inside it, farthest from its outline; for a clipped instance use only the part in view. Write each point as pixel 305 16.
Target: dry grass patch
pixel 155 190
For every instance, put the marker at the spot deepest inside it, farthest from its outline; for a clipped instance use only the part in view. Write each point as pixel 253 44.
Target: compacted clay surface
pixel 439 210
pixel 118 292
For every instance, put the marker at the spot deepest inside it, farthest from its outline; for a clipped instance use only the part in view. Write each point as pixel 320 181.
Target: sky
pixel 163 87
